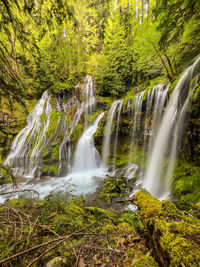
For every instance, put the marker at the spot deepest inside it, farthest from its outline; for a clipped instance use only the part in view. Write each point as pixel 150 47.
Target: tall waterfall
pixel 158 177
pixel 25 161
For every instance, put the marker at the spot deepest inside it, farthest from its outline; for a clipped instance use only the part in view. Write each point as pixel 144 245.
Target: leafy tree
pixel 114 72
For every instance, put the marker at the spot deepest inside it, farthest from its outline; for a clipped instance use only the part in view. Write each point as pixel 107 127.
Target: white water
pixel 25 161
pixel 156 99
pixel 117 128
pixel 86 155
pixel 158 177
pixel 108 131
pixel 87 170
pixel 136 110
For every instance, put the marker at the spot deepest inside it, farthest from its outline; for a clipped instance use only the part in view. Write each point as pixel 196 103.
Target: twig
pixel 8 170
pixel 61 239
pixel 57 244
pixel 19 191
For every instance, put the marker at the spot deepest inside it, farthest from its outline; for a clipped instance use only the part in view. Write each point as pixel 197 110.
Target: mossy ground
pixel 97 236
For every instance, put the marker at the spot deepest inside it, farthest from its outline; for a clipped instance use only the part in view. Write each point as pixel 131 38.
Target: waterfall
pixel 136 111
pixel 88 92
pixel 158 177
pixel 87 162
pixel 156 99
pixel 86 155
pixel 108 131
pixel 128 108
pixel 28 147
pixel 25 161
pixel 88 96
pixel 117 128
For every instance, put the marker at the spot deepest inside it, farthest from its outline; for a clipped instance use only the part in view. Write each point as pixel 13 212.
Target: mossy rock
pixel 147 261
pixel 76 133
pixel 173 234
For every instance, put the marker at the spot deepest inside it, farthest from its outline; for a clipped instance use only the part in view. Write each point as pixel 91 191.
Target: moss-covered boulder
pixel 172 234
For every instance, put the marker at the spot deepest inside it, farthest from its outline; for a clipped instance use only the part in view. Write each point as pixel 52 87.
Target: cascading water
pixel 25 161
pixel 87 161
pixel 156 99
pixel 86 155
pixel 37 137
pixel 108 130
pixel 158 177
pixel 128 108
pixel 117 128
pixel 26 153
pixel 136 110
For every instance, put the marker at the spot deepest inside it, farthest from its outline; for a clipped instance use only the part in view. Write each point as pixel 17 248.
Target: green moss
pixel 123 155
pixel 76 133
pixel 181 250
pixel 4 177
pixel 149 205
pixel 113 188
pixel 175 231
pixel 68 120
pixel 93 116
pixel 186 182
pixel 54 116
pixel 55 151
pixel 196 97
pixel 147 261
pixel 169 210
pixel 44 117
pixel 50 170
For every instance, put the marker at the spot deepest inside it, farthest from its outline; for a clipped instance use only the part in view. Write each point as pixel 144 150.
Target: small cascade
pixel 128 108
pixel 136 110
pixel 117 128
pixel 88 93
pixel 86 155
pixel 158 175
pixel 108 131
pixel 87 168
pixel 88 96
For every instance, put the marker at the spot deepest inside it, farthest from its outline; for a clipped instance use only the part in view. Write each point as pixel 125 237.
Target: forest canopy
pixel 53 44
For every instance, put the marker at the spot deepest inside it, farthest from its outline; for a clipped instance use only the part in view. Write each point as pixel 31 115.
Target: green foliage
pixel 61 215
pixel 147 261
pixel 114 68
pixel 4 177
pixel 113 188
pixel 76 133
pixel 186 182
